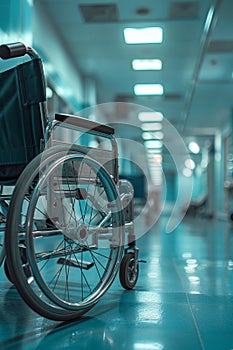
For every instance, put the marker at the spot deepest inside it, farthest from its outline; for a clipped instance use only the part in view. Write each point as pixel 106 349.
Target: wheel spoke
pixel 67 229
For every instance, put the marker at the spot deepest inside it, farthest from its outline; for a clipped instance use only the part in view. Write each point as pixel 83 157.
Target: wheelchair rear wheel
pixel 67 212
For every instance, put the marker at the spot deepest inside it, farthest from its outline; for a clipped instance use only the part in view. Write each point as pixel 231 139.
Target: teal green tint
pixel 15 16
pixel 16 19
pixel 183 299
pixel 5 14
pixel 22 88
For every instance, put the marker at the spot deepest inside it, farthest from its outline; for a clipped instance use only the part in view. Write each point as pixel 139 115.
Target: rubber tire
pixel 14 261
pixel 15 269
pixel 125 272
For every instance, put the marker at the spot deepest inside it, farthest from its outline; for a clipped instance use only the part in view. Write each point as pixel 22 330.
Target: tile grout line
pixel 191 310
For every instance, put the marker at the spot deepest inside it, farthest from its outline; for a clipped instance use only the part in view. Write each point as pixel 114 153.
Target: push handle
pixel 84 124
pixel 12 50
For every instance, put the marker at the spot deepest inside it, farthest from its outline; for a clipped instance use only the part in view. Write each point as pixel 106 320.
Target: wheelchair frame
pixel 65 223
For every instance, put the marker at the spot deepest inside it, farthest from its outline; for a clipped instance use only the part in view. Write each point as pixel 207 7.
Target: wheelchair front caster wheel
pixel 129 271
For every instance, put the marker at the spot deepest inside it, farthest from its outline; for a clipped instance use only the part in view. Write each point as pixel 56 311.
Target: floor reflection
pixel 183 300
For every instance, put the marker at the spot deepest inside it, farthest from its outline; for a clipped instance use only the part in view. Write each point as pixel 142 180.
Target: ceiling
pixel 197 55
pixel 196 52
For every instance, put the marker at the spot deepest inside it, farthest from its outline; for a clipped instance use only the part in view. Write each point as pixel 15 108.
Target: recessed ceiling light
pixel 153 144
pixel 154 161
pixel 151 126
pixel 158 158
pixel 187 172
pixel 148 89
pixel 147 35
pixel 147 64
pixel 190 164
pixel 150 116
pixel 153 151
pixel 194 147
pixel 146 135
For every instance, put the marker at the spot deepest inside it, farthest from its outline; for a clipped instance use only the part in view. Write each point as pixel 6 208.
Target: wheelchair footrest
pixel 86 265
pixel 142 261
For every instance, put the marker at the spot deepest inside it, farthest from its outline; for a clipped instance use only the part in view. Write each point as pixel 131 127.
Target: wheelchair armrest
pixel 84 123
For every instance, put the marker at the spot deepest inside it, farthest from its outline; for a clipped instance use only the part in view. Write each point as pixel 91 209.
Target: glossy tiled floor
pixel 183 300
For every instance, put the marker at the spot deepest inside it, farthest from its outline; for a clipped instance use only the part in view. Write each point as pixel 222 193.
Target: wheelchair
pixel 66 219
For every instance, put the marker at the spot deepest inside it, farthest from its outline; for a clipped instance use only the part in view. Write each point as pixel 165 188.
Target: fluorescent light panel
pixel 158 158
pixel 147 64
pixel 194 147
pixel 146 135
pixel 148 89
pixel 147 35
pixel 190 164
pixel 151 126
pixel 150 116
pixel 153 144
pixel 153 151
pixel 187 172
pixel 156 170
pixel 154 158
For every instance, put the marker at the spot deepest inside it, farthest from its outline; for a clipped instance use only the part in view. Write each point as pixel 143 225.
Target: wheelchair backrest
pixel 22 89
